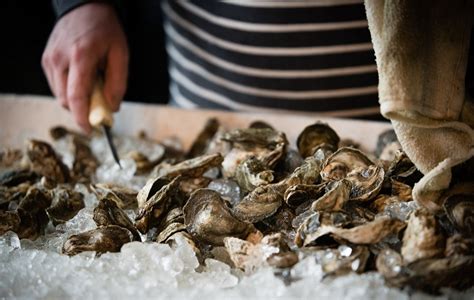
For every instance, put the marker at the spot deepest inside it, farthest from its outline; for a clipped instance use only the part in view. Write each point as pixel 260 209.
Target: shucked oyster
pixel 209 220
pixel 316 136
pixel 46 162
pixel 108 213
pixel 103 239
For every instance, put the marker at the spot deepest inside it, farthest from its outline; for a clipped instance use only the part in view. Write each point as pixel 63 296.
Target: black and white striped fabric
pixel 313 56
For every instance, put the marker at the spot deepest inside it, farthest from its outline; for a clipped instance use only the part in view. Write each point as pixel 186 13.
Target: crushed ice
pixel 37 270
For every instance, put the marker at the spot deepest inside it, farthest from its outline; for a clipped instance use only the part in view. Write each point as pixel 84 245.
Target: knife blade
pixel 100 115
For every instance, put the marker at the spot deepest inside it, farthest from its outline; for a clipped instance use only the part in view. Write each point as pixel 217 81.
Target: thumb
pixel 116 72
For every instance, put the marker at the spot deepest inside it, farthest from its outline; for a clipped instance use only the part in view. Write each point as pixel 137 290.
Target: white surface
pixel 31 116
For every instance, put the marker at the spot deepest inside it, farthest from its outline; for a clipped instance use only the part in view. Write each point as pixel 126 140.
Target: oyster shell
pixel 15 177
pixel 423 237
pixel 458 245
pixel 9 220
pixel 337 195
pixel 252 173
pixel 209 220
pixel 156 206
pixel 342 162
pixel 296 195
pixel 107 213
pixel 45 161
pixel 272 250
pixel 194 167
pixel 126 198
pixel 389 263
pixel 261 203
pixel 85 163
pixel 204 138
pixel 460 211
pixel 10 158
pixel 368 233
pixel 315 136
pixel 65 205
pixel 345 259
pixel 103 239
pixel 265 144
pixel 432 274
pixel 365 182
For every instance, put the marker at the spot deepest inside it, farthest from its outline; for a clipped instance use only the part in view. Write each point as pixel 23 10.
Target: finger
pixel 116 76
pixel 60 84
pixel 82 72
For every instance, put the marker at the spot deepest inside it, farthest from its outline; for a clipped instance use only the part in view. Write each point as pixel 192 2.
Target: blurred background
pixel 24 30
pixel 26 25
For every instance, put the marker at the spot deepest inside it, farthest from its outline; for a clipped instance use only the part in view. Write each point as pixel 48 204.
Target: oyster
pixel 194 167
pixel 65 205
pixel 85 163
pixel 423 237
pixel 9 220
pixel 126 198
pixel 334 199
pixel 368 233
pixel 366 182
pixel 261 203
pixel 252 173
pixel 107 213
pixel 158 204
pixel 271 250
pixel 171 224
pixel 458 245
pixel 17 176
pixel 265 144
pixel 10 158
pixel 345 259
pixel 46 162
pixel 387 145
pixel 298 194
pixel 204 138
pixel 389 263
pixel 103 239
pixel 316 136
pixel 342 162
pixel 460 211
pixel 209 220
pixel 432 274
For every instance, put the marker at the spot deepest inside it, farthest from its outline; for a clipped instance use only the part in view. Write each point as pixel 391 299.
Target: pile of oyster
pixel 246 198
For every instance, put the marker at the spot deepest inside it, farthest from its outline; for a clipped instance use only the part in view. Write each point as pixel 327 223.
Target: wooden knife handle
pixel 99 111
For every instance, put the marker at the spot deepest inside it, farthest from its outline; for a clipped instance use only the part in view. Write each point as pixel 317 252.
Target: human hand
pixel 84 41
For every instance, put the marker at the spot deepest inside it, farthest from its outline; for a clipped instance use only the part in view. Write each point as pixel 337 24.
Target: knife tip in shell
pixel 110 141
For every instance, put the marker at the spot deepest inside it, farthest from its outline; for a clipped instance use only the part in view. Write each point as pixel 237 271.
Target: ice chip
pixel 10 240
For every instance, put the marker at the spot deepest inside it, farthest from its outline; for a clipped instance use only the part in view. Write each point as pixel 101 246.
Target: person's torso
pixel 311 56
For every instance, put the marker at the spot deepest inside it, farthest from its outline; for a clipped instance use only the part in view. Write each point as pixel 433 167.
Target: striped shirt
pixel 265 56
